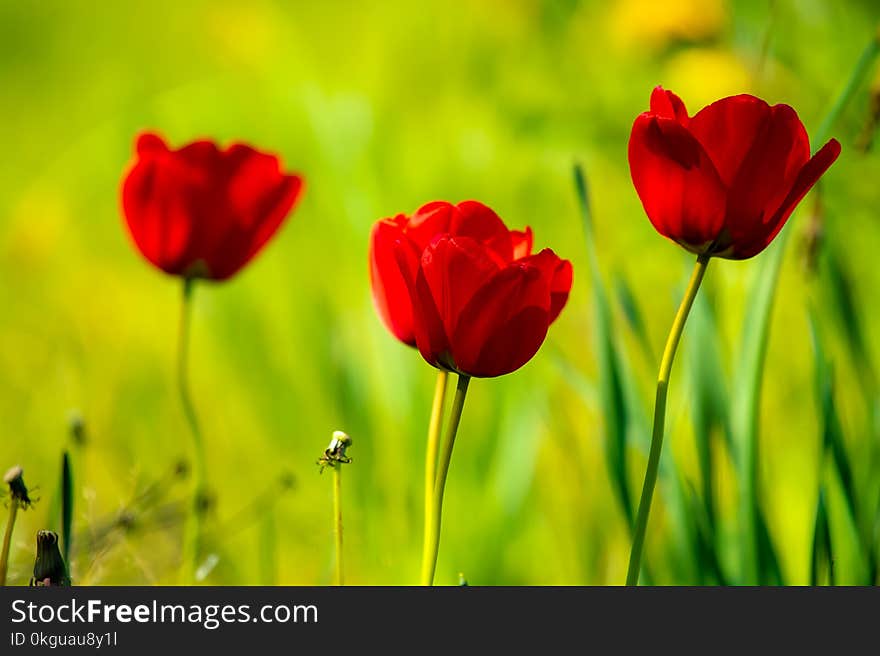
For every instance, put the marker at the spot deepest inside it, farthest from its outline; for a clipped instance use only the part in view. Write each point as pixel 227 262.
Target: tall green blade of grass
pixel 626 300
pixel 822 558
pixel 709 396
pixel 752 355
pixel 711 571
pixel 710 418
pixel 611 394
pixel 745 405
pixel 834 449
pixel 839 298
pixel 839 288
pixel 66 506
pixel 620 401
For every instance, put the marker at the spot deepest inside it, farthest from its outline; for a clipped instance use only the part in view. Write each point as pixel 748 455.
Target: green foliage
pixel 384 106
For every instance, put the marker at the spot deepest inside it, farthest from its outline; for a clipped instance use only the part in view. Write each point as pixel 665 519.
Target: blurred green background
pixel 383 106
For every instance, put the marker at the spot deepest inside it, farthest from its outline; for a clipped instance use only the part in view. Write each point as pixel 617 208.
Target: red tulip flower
pixel 453 280
pixel 204 212
pixel 721 183
pixel 724 181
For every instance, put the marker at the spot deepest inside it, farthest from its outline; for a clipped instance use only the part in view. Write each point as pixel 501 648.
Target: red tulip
pixel 724 181
pixel 203 212
pixel 453 280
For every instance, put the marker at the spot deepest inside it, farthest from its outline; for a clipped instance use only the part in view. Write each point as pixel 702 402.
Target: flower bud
pixel 49 567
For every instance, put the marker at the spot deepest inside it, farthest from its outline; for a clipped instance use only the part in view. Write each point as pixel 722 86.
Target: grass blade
pixel 821 558
pixel 709 396
pixel 626 300
pixel 754 346
pixel 611 394
pixel 834 448
pixel 66 505
pixel 745 403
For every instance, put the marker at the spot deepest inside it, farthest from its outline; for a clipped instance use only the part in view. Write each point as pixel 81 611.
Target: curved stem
pixel 337 516
pixel 635 558
pixel 7 540
pixel 431 454
pixel 432 537
pixel 193 536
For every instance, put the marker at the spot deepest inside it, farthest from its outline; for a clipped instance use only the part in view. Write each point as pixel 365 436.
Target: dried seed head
pixel 17 489
pixel 334 454
pixel 12 474
pixel 340 442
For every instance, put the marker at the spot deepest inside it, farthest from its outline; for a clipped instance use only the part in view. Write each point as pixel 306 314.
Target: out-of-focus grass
pixel 382 107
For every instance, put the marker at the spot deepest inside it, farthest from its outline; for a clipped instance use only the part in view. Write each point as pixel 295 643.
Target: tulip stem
pixel 431 455
pixel 337 522
pixel 7 539
pixel 432 536
pixel 193 536
pixel 635 558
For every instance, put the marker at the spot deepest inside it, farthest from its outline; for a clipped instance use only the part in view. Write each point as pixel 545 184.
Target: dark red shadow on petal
pixel 504 324
pixel 808 176
pixel 676 182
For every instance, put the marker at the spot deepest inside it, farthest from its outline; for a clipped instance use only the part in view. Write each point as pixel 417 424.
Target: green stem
pixel 193 537
pixel 431 454
pixel 337 517
pixel 635 559
pixel 7 540
pixel 432 537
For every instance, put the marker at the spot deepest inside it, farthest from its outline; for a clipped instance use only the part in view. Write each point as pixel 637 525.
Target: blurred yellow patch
pixel 702 75
pixel 35 226
pixel 655 24
pixel 245 32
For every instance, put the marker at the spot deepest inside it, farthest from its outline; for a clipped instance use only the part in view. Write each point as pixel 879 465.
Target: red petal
pixel 505 323
pixel 522 241
pixel 779 149
pixel 452 269
pixel 391 292
pixel 429 221
pixel 560 274
pixel 666 104
pixel 156 212
pixel 455 268
pixel 676 182
pixel 807 177
pixel 481 223
pixel 258 198
pixel 150 142
pixel 727 129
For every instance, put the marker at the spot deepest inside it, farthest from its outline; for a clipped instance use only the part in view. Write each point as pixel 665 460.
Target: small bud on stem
pixel 49 566
pixel 334 457
pixel 334 454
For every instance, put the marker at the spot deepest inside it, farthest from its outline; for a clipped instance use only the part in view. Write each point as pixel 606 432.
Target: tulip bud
pixel 49 567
